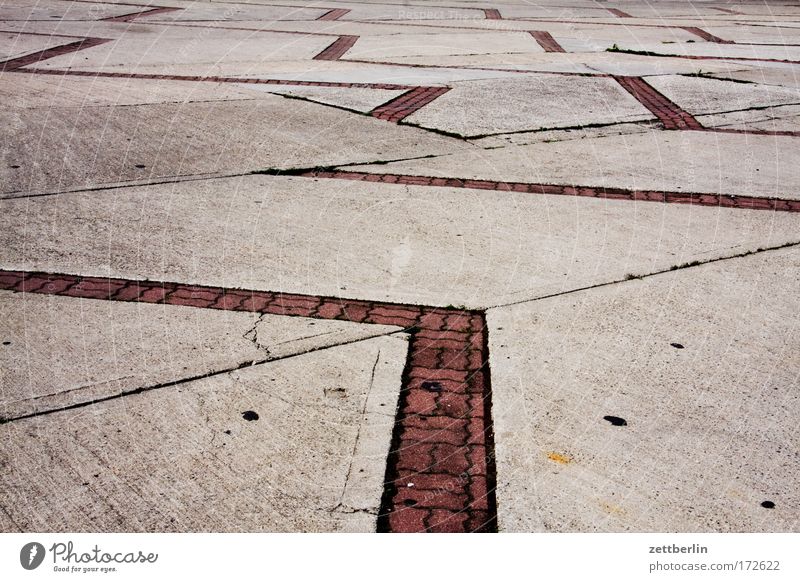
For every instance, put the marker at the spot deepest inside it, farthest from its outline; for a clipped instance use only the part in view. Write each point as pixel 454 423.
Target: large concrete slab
pixel 434 246
pixel 184 50
pixel 64 148
pixel 14 45
pixel 184 459
pixel 785 118
pixel 589 63
pixel 444 43
pixel 61 351
pixel 689 161
pixel 530 102
pixel 352 98
pixel 710 431
pixel 23 90
pixel 26 10
pixel 699 95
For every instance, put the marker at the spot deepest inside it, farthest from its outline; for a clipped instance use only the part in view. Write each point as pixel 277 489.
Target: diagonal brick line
pixel 442 441
pixel 706 35
pixel 492 14
pixel 672 116
pixel 134 15
pixel 401 107
pixel 334 14
pixel 17 63
pixel 547 42
pixel 619 13
pixel 666 197
pixel 337 48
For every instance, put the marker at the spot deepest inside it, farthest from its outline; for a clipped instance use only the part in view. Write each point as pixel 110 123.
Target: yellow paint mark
pixel 611 508
pixel 559 458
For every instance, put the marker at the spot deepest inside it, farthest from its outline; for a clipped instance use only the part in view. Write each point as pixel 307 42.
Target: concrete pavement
pixel 359 266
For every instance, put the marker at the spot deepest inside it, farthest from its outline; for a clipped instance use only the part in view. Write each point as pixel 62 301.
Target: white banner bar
pixel 523 557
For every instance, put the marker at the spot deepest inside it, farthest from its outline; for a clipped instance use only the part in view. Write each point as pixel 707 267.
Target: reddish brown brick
pixel 425 358
pixel 452 437
pixel 479 494
pixel 415 457
pixel 420 402
pixel 436 422
pixel 450 459
pixel 413 497
pixel 46 284
pixel 447 521
pixel 408 520
pixel 452 404
pixel 438 374
pixel 431 481
pixel 329 310
pixel 455 359
pixel 155 294
pixel 479 521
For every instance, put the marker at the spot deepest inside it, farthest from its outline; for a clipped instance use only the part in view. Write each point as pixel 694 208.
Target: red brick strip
pixel 334 14
pixel 706 35
pixel 492 14
pixel 672 116
pixel 407 103
pixel 440 470
pixel 719 200
pixel 14 64
pixel 547 42
pixel 337 48
pixel 619 13
pixel 134 15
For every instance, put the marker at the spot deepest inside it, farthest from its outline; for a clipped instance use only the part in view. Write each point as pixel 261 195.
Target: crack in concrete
pixel 186 380
pixel 358 431
pixel 631 277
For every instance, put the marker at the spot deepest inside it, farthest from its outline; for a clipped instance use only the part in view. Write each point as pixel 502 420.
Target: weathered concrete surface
pixel 356 99
pixel 414 244
pixel 186 51
pixel 710 429
pixel 59 351
pixel 688 161
pixel 699 95
pixel 14 45
pixel 106 172
pixel 461 43
pixel 26 91
pixel 63 148
pixel 784 118
pixel 530 102
pixel 183 458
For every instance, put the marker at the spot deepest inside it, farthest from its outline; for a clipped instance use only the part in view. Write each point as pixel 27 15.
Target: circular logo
pixel 31 555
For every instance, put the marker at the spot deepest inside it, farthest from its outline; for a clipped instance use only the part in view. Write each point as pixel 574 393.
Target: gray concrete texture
pixel 143 158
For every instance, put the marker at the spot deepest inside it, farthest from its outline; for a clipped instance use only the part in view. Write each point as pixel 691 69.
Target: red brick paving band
pixel 492 14
pixel 18 62
pixel 547 42
pixel 720 200
pixel 619 13
pixel 439 474
pixel 707 36
pixel 334 14
pixel 672 116
pixel 407 103
pixel 337 48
